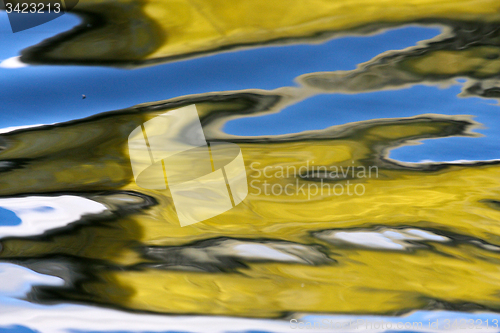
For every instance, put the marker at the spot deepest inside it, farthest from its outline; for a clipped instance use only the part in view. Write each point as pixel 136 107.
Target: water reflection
pixel 420 237
pixel 127 260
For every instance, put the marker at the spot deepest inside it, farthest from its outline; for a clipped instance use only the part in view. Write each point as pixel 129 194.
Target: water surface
pixel 396 106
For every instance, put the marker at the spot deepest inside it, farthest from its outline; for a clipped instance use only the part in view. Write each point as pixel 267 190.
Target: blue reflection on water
pixel 78 331
pixel 8 218
pixel 43 209
pixel 265 68
pixel 16 329
pixel 47 94
pixel 13 43
pixel 323 111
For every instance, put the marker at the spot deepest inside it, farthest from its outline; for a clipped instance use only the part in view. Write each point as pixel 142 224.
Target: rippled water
pixel 354 220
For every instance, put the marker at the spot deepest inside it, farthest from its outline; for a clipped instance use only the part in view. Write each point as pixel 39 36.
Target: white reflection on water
pixel 12 62
pixel 41 213
pixel 384 239
pixel 16 281
pixel 71 318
